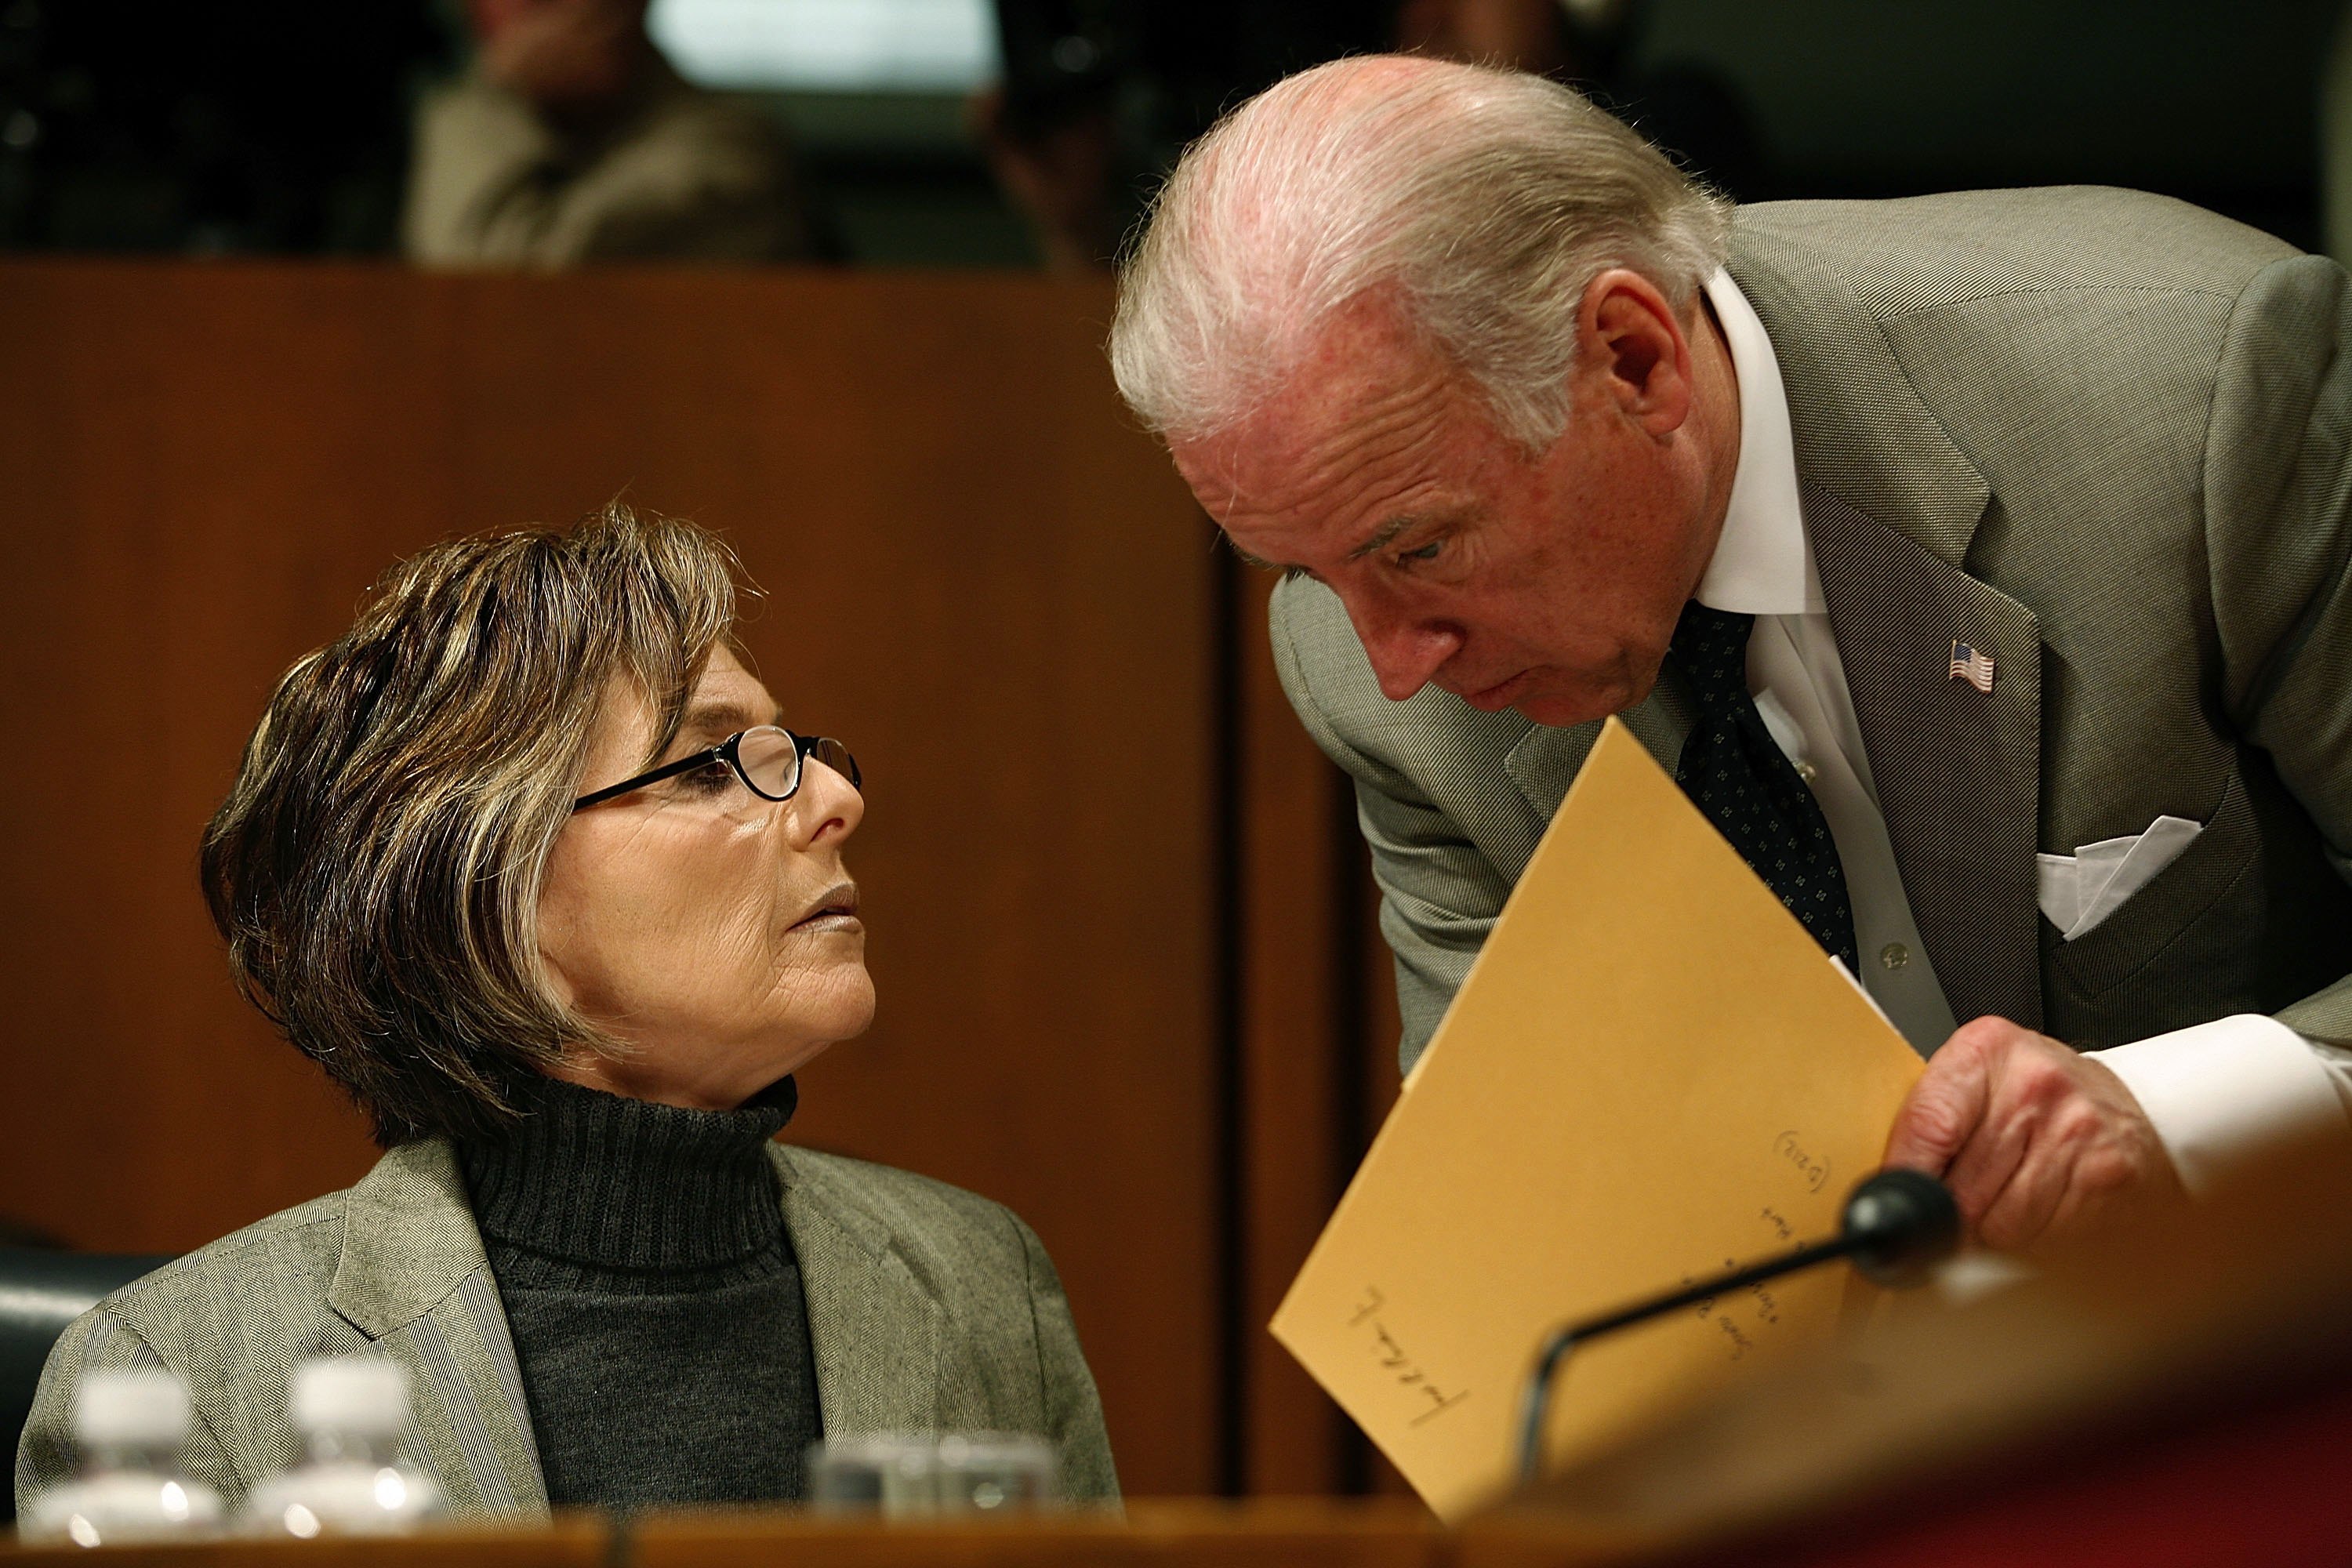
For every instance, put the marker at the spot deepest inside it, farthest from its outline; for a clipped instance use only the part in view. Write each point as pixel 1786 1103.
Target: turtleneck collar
pixel 605 1183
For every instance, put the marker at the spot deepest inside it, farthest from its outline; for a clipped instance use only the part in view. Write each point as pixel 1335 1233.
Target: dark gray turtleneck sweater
pixel 653 1296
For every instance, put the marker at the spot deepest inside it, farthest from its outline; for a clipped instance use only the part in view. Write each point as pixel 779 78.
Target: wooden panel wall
pixel 1316 1047
pixel 1298 1022
pixel 976 572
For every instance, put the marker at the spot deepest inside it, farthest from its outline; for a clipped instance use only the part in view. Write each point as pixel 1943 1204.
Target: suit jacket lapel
pixel 1893 505
pixel 1958 770
pixel 1862 432
pixel 877 1331
pixel 414 1279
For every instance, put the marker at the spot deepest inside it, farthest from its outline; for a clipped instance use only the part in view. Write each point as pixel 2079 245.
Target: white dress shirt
pixel 2216 1093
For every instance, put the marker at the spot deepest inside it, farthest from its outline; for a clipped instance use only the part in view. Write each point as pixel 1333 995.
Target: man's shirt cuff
pixel 2219 1094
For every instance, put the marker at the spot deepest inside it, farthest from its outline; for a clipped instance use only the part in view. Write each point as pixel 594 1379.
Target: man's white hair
pixel 1484 200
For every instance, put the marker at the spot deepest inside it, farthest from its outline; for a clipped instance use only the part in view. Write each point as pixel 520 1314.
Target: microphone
pixel 1896 1228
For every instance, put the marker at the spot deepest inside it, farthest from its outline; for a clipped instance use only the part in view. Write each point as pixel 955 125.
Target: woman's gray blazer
pixel 930 1309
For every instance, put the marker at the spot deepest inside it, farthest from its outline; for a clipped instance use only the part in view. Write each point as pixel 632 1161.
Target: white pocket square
pixel 2081 890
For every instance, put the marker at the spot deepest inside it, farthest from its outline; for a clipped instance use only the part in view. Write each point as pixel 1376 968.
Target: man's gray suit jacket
pixel 928 1309
pixel 2098 435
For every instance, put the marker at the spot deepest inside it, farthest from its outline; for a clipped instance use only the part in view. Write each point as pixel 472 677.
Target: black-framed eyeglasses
pixel 767 758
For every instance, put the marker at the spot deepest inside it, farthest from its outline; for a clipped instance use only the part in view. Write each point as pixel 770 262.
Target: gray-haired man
pixel 1977 561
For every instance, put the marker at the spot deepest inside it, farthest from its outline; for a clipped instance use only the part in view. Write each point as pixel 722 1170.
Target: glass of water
pixel 913 1475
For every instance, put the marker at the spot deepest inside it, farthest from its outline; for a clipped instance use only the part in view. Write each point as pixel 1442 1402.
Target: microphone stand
pixel 1896 1225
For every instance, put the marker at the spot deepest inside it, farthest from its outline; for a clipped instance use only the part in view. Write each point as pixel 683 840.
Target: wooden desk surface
pixel 2256 1489
pixel 1276 1533
pixel 574 1540
pixel 1279 1533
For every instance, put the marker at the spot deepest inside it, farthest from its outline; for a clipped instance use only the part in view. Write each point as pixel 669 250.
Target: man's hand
pixel 2036 1142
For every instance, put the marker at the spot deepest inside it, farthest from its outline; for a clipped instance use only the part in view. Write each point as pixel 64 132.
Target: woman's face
pixel 712 930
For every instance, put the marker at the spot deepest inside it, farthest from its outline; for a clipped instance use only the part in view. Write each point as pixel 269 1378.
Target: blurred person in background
pixel 1689 112
pixel 526 863
pixel 571 140
pixel 1098 97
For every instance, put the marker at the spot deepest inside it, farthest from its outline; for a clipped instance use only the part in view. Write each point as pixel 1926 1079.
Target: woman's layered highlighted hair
pixel 376 870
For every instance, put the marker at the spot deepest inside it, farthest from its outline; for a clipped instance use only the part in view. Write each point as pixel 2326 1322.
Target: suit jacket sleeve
pixel 2278 477
pixel 1073 1416
pixel 98 1340
pixel 1439 894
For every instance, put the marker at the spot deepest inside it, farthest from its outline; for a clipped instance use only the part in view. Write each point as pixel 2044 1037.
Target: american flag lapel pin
pixel 1973 665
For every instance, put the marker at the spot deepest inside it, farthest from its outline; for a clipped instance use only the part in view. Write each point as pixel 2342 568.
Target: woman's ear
pixel 558 985
pixel 550 935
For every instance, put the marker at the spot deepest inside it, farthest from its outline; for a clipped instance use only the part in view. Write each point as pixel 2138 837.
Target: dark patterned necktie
pixel 1741 780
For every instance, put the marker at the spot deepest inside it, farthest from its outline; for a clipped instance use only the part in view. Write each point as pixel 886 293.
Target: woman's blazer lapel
pixel 878 1333
pixel 414 1279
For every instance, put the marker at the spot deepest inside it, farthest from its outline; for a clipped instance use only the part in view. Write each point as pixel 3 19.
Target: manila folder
pixel 1652 1072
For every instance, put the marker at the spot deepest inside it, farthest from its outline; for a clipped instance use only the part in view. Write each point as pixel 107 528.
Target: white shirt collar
pixel 1763 564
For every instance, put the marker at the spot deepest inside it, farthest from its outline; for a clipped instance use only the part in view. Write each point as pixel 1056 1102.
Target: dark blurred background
pixel 958 133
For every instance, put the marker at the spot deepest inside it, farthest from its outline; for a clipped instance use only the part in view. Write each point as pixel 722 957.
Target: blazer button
pixel 1893 955
pixel 1806 771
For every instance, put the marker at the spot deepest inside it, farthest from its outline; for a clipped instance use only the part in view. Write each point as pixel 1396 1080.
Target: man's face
pixel 1549 582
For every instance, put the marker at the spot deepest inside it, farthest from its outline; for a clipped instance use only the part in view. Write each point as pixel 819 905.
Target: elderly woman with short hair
pixel 528 862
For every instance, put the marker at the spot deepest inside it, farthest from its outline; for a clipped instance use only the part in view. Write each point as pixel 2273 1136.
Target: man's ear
pixel 1628 336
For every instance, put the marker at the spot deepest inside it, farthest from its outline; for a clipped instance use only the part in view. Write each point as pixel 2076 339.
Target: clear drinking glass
pixel 994 1472
pixel 913 1474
